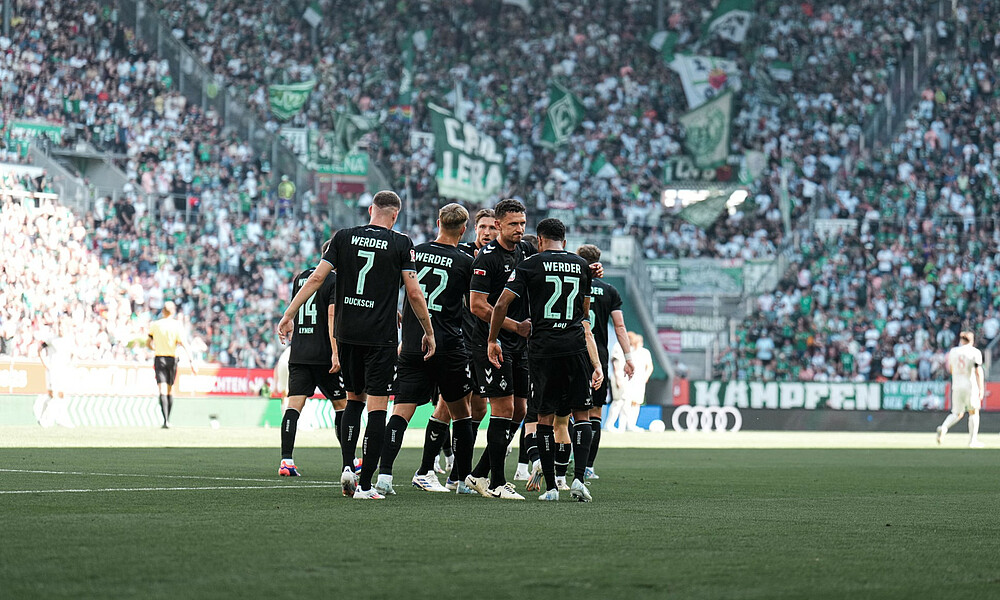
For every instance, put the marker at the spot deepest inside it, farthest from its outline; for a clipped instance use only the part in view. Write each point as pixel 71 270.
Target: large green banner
pixel 469 163
pixel 288 100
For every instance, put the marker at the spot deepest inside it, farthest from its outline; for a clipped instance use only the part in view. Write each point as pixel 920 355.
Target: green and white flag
pixel 705 77
pixel 288 100
pixel 705 212
pixel 313 14
pixel 731 20
pixel 413 42
pixel 469 163
pixel 781 71
pixel 753 164
pixel 526 5
pixel 706 131
pixel 663 42
pixel 600 167
pixel 563 116
pixel 348 130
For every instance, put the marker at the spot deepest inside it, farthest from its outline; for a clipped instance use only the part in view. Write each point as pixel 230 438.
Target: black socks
pixel 595 444
pixel 498 435
pixel 546 453
pixel 289 425
pixel 338 418
pixel 350 427
pixel 372 448
pixel 434 437
pixel 583 434
pixel 562 458
pixel 394 431
pixel 464 440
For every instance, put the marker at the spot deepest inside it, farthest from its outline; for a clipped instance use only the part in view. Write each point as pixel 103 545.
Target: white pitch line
pixel 170 489
pixel 304 482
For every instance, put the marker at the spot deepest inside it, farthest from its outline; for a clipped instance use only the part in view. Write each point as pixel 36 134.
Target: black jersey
pixel 469 320
pixel 469 248
pixel 444 273
pixel 604 300
pixel 555 284
pixel 311 336
pixel 369 260
pixel 491 269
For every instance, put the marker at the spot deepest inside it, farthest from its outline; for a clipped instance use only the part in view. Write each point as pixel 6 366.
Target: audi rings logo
pixel 706 418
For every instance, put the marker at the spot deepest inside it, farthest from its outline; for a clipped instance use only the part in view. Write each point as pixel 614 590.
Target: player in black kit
pixel 507 385
pixel 310 361
pixel 605 305
pixel 556 285
pixel 370 261
pixel 444 272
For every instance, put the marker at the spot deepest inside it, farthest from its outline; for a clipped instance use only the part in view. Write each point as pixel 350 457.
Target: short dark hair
pixel 589 252
pixel 387 199
pixel 326 245
pixel 485 213
pixel 551 229
pixel 505 207
pixel 532 240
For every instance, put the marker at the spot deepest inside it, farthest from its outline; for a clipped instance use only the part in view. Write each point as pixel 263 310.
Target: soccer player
pixel 166 335
pixel 310 362
pixel 605 305
pixel 506 386
pixel 563 352
pixel 443 272
pixel 965 363
pixel 52 408
pixel 370 261
pixel 486 232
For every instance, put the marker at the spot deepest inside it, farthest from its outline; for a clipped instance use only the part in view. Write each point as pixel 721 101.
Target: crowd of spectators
pixel 812 74
pixel 920 259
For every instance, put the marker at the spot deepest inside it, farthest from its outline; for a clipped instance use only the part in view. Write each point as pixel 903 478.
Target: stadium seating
pixel 887 301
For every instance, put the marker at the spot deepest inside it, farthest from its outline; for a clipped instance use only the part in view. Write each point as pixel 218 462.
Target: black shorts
pixel 473 376
pixel 561 384
pixel 367 369
pixel 600 395
pixel 510 379
pixel 304 379
pixel 165 368
pixel 419 381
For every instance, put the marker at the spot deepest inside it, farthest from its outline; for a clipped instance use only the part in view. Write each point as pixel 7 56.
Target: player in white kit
pixel 965 363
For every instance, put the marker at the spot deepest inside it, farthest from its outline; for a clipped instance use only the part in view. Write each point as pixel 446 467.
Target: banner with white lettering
pixel 469 163
pixel 788 394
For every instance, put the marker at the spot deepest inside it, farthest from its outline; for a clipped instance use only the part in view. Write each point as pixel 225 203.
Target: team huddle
pixel 497 320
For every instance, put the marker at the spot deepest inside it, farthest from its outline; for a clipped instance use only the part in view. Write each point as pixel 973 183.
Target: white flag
pixel 705 77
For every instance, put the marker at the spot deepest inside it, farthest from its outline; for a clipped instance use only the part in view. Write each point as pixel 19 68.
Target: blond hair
pixel 453 217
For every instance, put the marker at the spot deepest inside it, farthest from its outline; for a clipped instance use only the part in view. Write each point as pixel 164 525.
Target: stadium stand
pixel 887 298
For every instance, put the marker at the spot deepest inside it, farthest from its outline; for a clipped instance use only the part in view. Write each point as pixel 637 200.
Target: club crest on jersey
pixel 480 272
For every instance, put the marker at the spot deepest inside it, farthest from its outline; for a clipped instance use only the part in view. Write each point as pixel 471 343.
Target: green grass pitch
pixel 678 523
